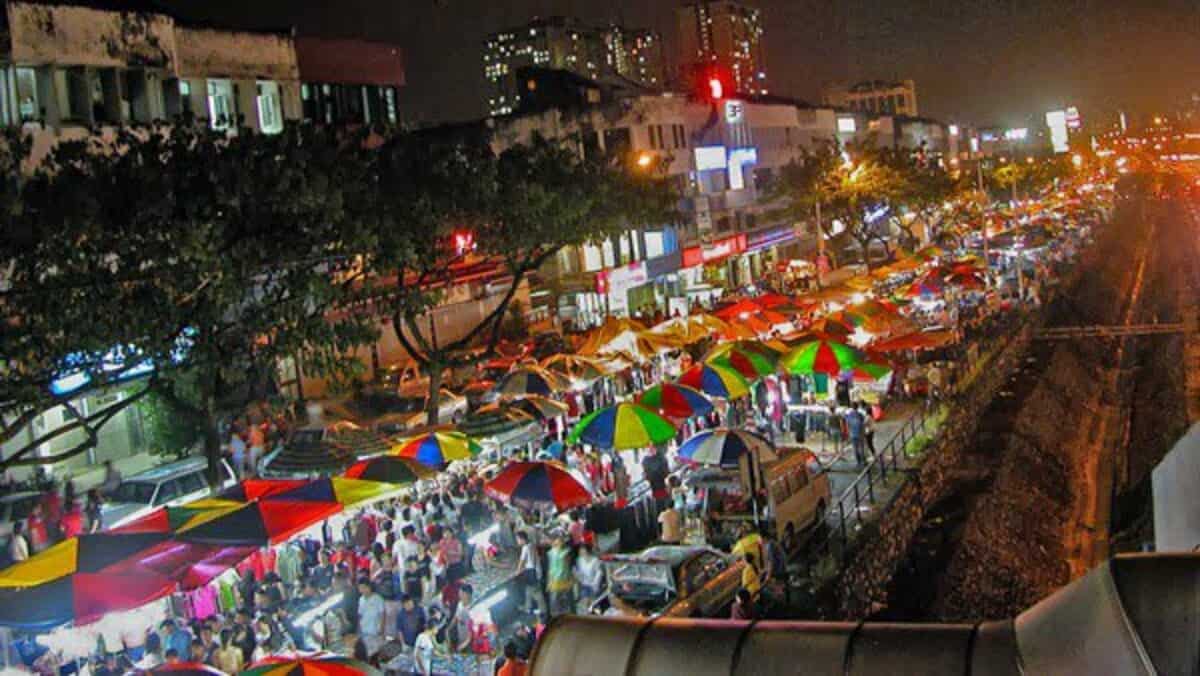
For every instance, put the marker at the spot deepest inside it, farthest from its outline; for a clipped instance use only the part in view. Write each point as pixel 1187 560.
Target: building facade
pixel 725 34
pixel 878 97
pixel 66 70
pixel 637 55
pixel 564 43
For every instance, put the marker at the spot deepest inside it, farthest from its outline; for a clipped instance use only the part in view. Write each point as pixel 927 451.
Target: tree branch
pixel 90 424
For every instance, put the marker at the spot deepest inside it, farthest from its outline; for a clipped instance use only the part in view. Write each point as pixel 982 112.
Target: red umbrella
pixel 538 484
pixel 186 669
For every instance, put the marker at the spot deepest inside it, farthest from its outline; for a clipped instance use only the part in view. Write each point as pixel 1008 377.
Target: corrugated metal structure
pixel 1136 614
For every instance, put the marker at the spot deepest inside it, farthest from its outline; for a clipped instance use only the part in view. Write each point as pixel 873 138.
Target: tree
pixel 930 197
pixel 181 255
pixel 854 187
pixel 517 208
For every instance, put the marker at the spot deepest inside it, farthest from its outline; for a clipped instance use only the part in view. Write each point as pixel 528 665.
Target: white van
pixel 167 485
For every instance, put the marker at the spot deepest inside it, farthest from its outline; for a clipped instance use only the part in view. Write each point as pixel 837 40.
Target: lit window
pixel 221 110
pixel 270 113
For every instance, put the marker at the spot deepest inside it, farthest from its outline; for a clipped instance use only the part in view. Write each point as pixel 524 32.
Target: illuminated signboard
pixel 974 144
pixel 1057 121
pixel 735 111
pixel 710 157
pixel 722 248
pixel 738 158
pixel 1073 119
pixel 1016 134
pixel 846 125
pixel 954 130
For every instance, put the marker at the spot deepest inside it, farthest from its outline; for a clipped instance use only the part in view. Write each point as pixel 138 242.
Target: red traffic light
pixel 716 89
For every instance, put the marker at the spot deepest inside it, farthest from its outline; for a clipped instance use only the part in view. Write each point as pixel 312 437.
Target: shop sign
pixel 771 238
pixel 663 265
pixel 719 249
pixel 618 282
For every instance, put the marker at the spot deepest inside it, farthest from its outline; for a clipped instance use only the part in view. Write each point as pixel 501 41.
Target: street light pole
pixel 987 258
pixel 820 244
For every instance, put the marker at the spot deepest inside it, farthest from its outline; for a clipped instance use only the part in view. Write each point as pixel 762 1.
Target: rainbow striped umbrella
pixel 716 381
pixel 675 401
pixel 821 356
pixel 185 669
pixel 929 285
pixel 437 449
pixel 319 664
pixel 538 485
pixel 622 427
pixel 723 447
pixel 751 358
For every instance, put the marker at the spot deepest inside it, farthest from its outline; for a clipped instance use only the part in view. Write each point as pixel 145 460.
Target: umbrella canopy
pixel 494 420
pixel 750 358
pixel 828 326
pixel 190 564
pixel 967 280
pixel 691 329
pixel 344 491
pixel 675 401
pixel 260 523
pixel 929 285
pixel 622 427
pixel 723 447
pixel 186 669
pixel 920 340
pixel 539 407
pixel 72 581
pixel 437 449
pixel 538 485
pixel 716 381
pixel 928 253
pixel 574 367
pixel 528 380
pixel 871 370
pixel 821 356
pixel 391 469
pixel 253 489
pixel 321 664
pixel 604 334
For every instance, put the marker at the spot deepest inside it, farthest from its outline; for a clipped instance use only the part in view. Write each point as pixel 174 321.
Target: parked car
pixel 408 413
pixel 166 485
pixel 670 580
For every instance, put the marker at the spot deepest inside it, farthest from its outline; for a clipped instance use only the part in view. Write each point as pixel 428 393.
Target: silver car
pixel 166 485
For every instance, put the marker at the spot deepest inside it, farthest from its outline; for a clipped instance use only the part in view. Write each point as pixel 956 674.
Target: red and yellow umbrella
pixel 750 358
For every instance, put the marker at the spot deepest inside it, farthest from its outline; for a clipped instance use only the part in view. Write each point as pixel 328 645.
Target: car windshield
pixel 632 580
pixel 134 491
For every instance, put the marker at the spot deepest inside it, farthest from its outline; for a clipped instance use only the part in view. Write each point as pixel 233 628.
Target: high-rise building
pixel 726 34
pixel 637 55
pixel 564 43
pixel 882 97
pixel 554 42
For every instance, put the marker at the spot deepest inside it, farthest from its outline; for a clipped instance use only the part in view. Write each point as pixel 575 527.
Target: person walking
pixel 371 613
pixel 855 424
pixel 559 579
pixel 868 428
pixel 529 574
pixel 18 545
pixel 589 576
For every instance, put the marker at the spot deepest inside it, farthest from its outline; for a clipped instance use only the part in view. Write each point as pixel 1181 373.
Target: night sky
pixel 978 61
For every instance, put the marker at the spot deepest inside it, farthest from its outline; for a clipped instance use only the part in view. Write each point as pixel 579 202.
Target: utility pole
pixel 820 245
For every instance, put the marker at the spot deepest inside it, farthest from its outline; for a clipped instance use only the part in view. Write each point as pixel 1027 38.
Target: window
pixel 185 97
pixel 655 245
pixel 167 490
pixel 270 113
pixel 221 108
pixel 593 258
pixel 389 105
pixel 190 483
pixel 29 108
pixel 71 88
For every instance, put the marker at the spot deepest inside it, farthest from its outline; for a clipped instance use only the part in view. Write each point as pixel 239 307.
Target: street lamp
pixel 644 160
pixel 1077 160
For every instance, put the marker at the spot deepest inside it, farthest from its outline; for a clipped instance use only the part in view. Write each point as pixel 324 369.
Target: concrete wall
pixel 236 55
pixel 1176 483
pixel 88 37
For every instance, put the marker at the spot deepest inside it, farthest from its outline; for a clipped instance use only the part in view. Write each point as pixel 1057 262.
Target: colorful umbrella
pixel 70 581
pixel 437 449
pixel 821 356
pixel 929 285
pixel 929 253
pixel 186 669
pixel 260 523
pixel 320 664
pixel 344 491
pixel 870 371
pixel 827 326
pixel 675 401
pixel 716 381
pixel 538 485
pixel 531 380
pixel 183 517
pixel 539 407
pixel 390 469
pixel 494 420
pixel 724 447
pixel 253 489
pixel 574 367
pixel 621 427
pixel 967 280
pixel 751 358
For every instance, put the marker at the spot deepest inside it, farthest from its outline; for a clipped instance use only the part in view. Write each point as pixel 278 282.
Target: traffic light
pixel 716 89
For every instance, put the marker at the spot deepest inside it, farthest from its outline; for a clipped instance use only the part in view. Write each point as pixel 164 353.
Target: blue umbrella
pixel 723 447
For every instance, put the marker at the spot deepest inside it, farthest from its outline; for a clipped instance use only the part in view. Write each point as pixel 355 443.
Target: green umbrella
pixel 750 358
pixel 821 356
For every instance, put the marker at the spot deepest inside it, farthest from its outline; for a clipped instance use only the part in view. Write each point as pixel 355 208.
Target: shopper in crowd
pixel 589 576
pixel 112 479
pixel 411 621
pixel 743 606
pixel 560 580
pixel 175 638
pixel 94 520
pixel 18 545
pixel 228 656
pixel 370 617
pixel 513 665
pixel 529 575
